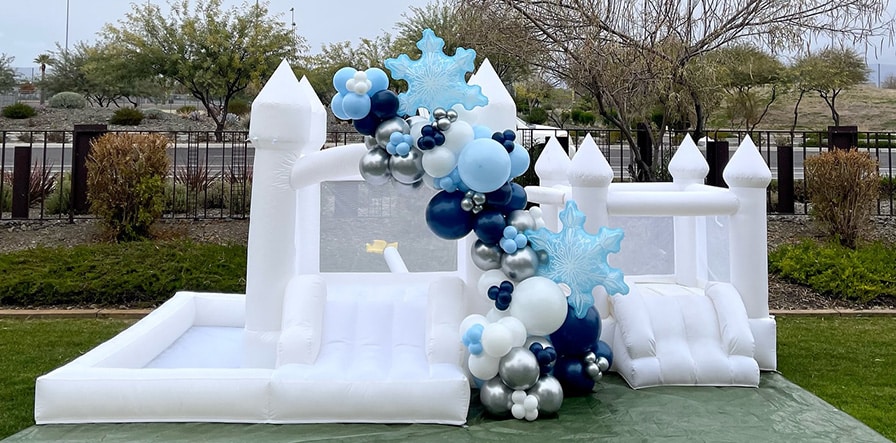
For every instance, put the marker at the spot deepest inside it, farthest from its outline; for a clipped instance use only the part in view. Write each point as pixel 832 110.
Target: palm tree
pixel 43 60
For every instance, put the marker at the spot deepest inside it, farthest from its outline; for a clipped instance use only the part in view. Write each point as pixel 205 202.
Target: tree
pixel 320 68
pixel 70 73
pixel 215 54
pixel 830 71
pixel 670 36
pixel 7 74
pixel 43 60
pixel 751 79
pixel 112 72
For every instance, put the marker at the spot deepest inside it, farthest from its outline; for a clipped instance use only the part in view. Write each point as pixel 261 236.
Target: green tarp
pixel 778 411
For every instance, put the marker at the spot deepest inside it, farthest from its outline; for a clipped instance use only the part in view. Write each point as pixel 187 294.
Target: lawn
pixel 846 361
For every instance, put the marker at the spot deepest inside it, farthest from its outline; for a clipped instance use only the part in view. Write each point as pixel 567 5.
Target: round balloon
pixel 384 104
pixel 522 220
pixel 602 349
pixel 519 161
pixel 521 264
pixel 483 366
pixel 501 196
pixel 336 106
pixel 489 226
pixel 488 279
pixel 540 304
pixel 496 397
pixel 470 320
pixel 407 170
pixel 484 256
pixel 518 369
pixel 549 394
pixel 439 162
pixel 387 127
pixel 356 106
pixel 342 76
pixel 374 166
pixel 457 136
pixel 497 340
pixel 446 218
pixel 517 329
pixel 576 336
pixel 367 125
pixel 571 373
pixel 379 81
pixel 484 165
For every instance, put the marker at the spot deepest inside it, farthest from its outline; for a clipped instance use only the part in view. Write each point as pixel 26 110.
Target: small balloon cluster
pixel 532 346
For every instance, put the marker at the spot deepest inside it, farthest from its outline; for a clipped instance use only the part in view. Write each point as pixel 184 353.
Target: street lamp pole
pixel 66 25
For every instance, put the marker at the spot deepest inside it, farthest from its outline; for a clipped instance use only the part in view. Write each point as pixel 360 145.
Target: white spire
pixel 281 113
pixel 552 164
pixel 746 168
pixel 688 163
pixel 318 123
pixel 589 167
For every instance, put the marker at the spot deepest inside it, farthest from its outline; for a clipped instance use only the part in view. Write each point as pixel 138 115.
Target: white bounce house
pixel 315 340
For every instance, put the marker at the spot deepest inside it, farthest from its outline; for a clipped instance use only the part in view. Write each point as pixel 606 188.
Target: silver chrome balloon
pixel 593 371
pixel 521 220
pixel 590 358
pixel 549 394
pixel 603 364
pixel 374 166
pixel 518 369
pixel 451 114
pixel 370 142
pixel 443 124
pixel 520 265
pixel 478 198
pixel 467 204
pixel 495 396
pixel 407 170
pixel 386 128
pixel 439 113
pixel 486 257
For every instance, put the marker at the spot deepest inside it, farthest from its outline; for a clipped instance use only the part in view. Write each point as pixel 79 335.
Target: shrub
pixel 843 188
pixel 154 114
pixel 537 116
pixel 862 274
pixel 185 110
pixel 195 116
pixel 41 183
pixel 238 106
pixel 67 100
pixel 59 201
pixel 125 182
pixel 126 117
pixel 19 111
pixel 57 137
pixel 135 274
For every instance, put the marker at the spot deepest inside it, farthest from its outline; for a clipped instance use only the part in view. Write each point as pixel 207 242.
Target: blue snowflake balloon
pixel 578 258
pixel 436 80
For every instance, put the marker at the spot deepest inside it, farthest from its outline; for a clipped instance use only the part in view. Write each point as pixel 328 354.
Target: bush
pixel 135 274
pixel 185 110
pixel 59 201
pixel 843 188
pixel 67 100
pixel 154 114
pixel 126 117
pixel 19 111
pixel 41 183
pixel 125 182
pixel 861 274
pixel 537 116
pixel 238 106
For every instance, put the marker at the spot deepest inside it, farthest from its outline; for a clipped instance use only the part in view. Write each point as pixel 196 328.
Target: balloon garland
pixel 537 344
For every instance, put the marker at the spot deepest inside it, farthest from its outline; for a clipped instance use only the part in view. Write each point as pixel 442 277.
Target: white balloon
pixel 416 127
pixel 517 328
pixel 490 278
pixel 457 136
pixel 497 340
pixel 494 315
pixel 472 319
pixel 539 303
pixel 439 161
pixel 483 366
pixel 518 411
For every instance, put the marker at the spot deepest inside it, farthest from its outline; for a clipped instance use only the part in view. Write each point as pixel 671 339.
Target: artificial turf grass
pixel 34 347
pixel 133 274
pixel 847 361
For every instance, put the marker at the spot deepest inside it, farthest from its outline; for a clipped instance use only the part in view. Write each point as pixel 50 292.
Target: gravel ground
pixel 16 235
pixel 50 119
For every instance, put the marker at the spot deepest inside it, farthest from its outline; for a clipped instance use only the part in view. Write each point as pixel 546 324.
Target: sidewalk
pixel 140 313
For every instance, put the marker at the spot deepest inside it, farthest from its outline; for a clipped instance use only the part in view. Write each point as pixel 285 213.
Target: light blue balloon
pixel 519 160
pixel 482 131
pixel 342 76
pixel 378 80
pixel 336 106
pixel 484 165
pixel 356 106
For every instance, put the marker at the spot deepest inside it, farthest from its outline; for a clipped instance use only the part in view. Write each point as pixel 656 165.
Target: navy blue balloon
pixel 427 130
pixel 518 198
pixel 368 124
pixel 577 336
pixel 439 138
pixel 446 218
pixel 384 104
pixel 570 372
pixel 489 226
pixel 602 349
pixel 509 135
pixel 501 197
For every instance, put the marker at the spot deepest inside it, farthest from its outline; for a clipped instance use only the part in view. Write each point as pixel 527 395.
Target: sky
pixel 31 27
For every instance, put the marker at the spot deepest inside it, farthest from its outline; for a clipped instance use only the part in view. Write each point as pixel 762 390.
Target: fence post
pixel 82 136
pixel 843 137
pixel 717 158
pixel 645 148
pixel 785 179
pixel 21 181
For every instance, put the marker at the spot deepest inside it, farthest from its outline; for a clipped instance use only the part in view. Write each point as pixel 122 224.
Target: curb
pixel 136 314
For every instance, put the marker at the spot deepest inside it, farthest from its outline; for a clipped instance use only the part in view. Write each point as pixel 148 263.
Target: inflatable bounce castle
pixel 524 294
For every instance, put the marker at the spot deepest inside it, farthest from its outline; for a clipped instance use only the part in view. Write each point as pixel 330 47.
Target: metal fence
pixel 211 177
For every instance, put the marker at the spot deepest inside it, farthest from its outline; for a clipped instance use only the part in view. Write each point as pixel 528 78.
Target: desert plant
pixel 68 100
pixel 41 183
pixel 238 107
pixel 843 188
pixel 154 114
pixel 126 117
pixel 195 116
pixel 185 110
pixel 57 136
pixel 231 120
pixel 59 201
pixel 26 137
pixel 19 111
pixel 125 182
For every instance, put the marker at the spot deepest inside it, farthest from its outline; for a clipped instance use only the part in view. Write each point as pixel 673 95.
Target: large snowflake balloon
pixel 578 258
pixel 436 80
